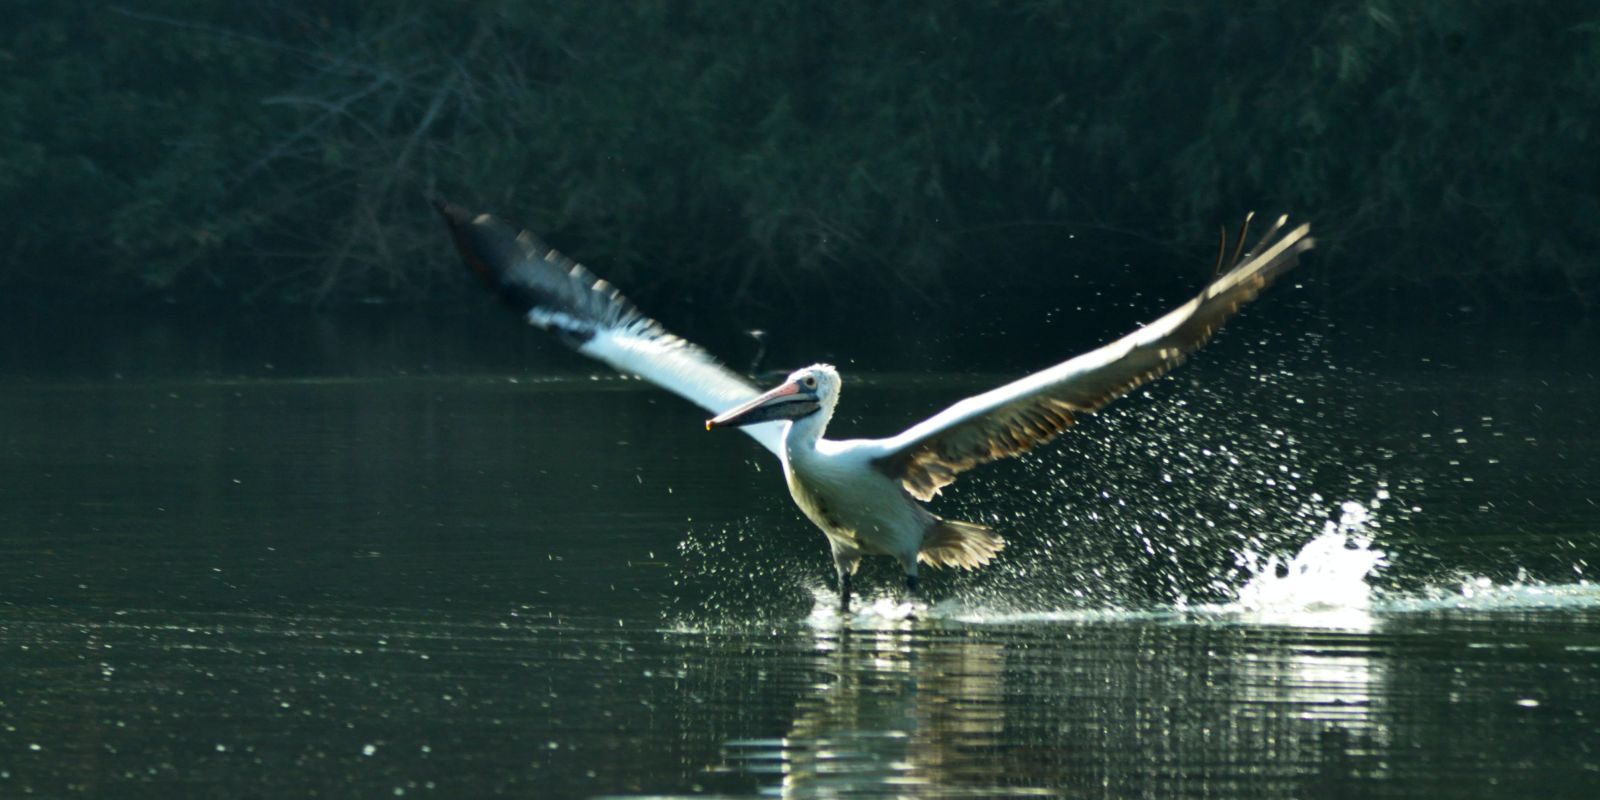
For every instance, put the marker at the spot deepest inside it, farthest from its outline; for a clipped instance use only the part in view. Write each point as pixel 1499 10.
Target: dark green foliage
pixel 782 151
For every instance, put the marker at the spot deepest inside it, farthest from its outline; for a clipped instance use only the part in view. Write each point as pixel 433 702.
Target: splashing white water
pixel 1329 574
pixel 1325 584
pixel 868 612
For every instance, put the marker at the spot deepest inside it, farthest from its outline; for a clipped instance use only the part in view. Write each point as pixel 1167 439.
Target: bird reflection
pixel 900 710
pixel 1143 709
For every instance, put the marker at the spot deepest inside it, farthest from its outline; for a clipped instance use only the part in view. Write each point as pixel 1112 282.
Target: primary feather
pixel 1016 417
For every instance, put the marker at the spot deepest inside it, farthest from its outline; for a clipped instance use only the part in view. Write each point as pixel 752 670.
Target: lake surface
pixel 388 556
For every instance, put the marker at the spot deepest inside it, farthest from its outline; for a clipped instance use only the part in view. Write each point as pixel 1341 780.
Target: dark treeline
pixel 784 151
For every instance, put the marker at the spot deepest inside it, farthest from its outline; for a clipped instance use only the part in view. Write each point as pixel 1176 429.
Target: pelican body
pixel 845 490
pixel 866 495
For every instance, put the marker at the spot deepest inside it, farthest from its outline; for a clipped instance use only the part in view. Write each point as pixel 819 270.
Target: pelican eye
pixel 810 381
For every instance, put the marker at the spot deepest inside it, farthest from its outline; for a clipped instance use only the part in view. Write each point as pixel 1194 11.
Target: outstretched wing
pixel 1014 418
pixel 559 295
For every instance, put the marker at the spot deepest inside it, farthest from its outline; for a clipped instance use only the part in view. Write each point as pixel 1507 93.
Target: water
pixel 394 557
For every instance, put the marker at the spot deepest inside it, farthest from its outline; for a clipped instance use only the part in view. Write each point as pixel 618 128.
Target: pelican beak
pixel 789 401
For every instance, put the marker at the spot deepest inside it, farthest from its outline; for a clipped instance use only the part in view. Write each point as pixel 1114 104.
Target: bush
pixel 784 150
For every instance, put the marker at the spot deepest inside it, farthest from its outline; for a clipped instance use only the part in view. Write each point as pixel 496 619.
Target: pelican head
pixel 805 392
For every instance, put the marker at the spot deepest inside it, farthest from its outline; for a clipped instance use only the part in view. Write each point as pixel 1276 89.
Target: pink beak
pixel 787 401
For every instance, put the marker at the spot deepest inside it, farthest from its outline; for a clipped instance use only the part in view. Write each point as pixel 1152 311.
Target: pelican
pixel 866 495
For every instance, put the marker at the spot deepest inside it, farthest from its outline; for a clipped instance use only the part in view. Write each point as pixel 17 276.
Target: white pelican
pixel 865 494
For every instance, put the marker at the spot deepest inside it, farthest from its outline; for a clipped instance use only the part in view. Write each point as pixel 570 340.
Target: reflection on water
pixel 144 703
pixel 1145 709
pixel 937 714
pixel 898 710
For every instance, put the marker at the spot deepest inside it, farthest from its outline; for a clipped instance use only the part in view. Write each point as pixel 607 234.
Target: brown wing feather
pixel 1028 412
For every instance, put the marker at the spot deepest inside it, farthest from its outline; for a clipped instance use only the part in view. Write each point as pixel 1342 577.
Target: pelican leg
pixel 845 560
pixel 908 563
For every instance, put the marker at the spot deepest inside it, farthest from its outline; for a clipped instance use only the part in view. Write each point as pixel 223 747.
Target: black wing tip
pixel 487 246
pixel 549 290
pixel 454 215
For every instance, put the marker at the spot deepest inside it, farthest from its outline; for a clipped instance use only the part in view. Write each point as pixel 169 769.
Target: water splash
pixel 870 612
pixel 1330 574
pixel 1325 584
pixel 1482 594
